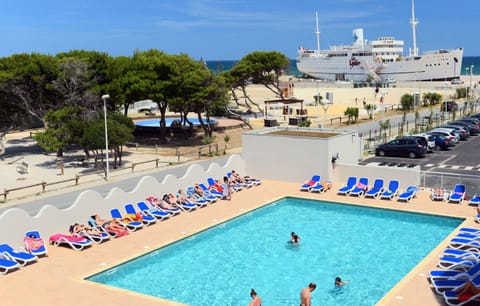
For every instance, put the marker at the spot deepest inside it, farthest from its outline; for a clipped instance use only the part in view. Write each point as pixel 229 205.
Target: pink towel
pixel 68 237
pixel 33 244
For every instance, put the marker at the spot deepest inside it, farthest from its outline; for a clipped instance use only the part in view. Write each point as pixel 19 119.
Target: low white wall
pixel 14 222
pixel 406 176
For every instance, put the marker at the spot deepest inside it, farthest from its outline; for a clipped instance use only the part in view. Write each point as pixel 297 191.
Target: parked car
pixel 404 146
pixel 460 130
pixel 451 106
pixel 457 81
pixel 442 142
pixel 473 120
pixel 429 142
pixel 444 134
pixel 474 129
pixel 450 132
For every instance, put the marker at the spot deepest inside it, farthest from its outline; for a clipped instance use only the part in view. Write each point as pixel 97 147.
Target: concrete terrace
pixel 59 278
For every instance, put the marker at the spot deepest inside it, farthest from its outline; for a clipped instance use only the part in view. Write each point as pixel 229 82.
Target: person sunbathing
pixel 242 179
pixel 78 229
pixel 165 204
pixel 184 197
pixel 111 226
pixel 199 190
pixel 33 243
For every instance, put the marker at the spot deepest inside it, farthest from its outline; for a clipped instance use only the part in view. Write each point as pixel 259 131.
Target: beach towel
pixel 33 244
pixel 68 237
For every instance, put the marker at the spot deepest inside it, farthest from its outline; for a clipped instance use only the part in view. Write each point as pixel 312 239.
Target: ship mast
pixel 317 32
pixel 414 23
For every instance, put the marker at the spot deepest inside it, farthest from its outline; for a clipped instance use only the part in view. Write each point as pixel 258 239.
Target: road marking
pixel 442 166
pixel 453 156
pixel 454 167
pixel 429 165
pixel 468 168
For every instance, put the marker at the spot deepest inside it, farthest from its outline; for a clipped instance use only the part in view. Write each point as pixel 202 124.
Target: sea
pixel 219 66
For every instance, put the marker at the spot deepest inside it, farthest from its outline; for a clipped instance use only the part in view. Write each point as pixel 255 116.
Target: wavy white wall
pixel 14 222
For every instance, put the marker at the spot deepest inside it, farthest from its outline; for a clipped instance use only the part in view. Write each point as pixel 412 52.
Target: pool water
pixel 373 248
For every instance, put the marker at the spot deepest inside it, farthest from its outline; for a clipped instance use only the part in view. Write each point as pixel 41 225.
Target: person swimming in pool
pixel 294 239
pixel 256 300
pixel 339 282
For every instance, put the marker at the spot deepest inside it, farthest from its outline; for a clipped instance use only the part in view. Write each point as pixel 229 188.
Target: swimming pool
pixel 374 248
pixel 168 122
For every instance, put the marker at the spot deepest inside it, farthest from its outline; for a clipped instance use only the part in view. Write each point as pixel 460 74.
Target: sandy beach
pixel 344 95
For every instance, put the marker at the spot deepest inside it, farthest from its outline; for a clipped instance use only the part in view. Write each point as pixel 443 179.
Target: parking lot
pixel 460 164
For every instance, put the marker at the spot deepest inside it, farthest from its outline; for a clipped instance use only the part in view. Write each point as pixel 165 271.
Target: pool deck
pixel 58 279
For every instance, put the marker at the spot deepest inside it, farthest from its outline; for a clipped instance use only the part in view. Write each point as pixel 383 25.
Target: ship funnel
pixel 358 37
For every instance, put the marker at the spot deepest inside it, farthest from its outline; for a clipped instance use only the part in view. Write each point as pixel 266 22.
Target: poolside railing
pixel 448 181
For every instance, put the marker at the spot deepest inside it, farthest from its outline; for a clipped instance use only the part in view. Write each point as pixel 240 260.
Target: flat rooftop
pixel 59 278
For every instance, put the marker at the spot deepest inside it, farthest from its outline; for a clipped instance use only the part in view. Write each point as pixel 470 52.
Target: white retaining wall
pixel 14 222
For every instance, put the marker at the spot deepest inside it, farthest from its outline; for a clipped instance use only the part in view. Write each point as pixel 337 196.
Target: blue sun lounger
pixel 154 212
pixel 458 194
pixel 7 265
pixel 452 274
pixel 360 188
pixel 376 189
pixel 465 254
pixel 22 258
pixel 146 219
pixel 309 184
pixel 451 299
pixel 32 246
pixel 130 225
pixel 449 284
pixel 391 191
pixel 463 243
pixel 475 200
pixel 345 190
pixel 408 194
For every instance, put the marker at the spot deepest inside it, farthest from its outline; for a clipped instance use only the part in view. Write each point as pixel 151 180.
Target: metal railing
pixel 448 181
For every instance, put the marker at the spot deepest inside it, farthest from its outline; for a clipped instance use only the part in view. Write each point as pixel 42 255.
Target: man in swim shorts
pixel 305 295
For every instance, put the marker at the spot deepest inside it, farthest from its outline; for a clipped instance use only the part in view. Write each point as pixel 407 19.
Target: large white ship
pixel 378 60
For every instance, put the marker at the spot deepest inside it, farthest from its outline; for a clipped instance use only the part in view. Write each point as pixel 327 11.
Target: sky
pixel 229 29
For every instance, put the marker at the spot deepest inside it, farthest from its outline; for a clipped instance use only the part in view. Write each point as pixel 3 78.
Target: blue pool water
pixel 168 122
pixel 374 248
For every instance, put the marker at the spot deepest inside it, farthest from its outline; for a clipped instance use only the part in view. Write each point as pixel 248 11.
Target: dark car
pixel 442 142
pixel 451 106
pixel 403 146
pixel 474 130
pixel 473 120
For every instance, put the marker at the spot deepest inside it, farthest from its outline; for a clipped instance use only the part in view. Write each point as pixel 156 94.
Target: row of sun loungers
pixel 148 212
pixel 460 264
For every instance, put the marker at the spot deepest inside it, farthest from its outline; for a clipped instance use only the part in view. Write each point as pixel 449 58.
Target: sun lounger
pixel 22 258
pixel 154 212
pixel 102 237
pixel 439 194
pixel 465 254
pixel 408 194
pixel 458 194
pixel 146 219
pixel 7 265
pixel 345 190
pixel 464 244
pixel 452 299
pixel 360 188
pixel 391 190
pixel 173 211
pixel 309 184
pixel 130 224
pixel 452 274
pixel 454 263
pixel 469 230
pixel 74 242
pixel 376 189
pixel 320 187
pixel 34 244
pixel 449 284
pixel 210 192
pixel 475 200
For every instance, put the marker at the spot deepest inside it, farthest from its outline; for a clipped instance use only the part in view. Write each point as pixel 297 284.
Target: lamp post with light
pixel 105 98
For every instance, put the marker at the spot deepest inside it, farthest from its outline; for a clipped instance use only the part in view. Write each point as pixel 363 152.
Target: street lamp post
pixel 325 104
pixel 105 98
pixel 471 72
